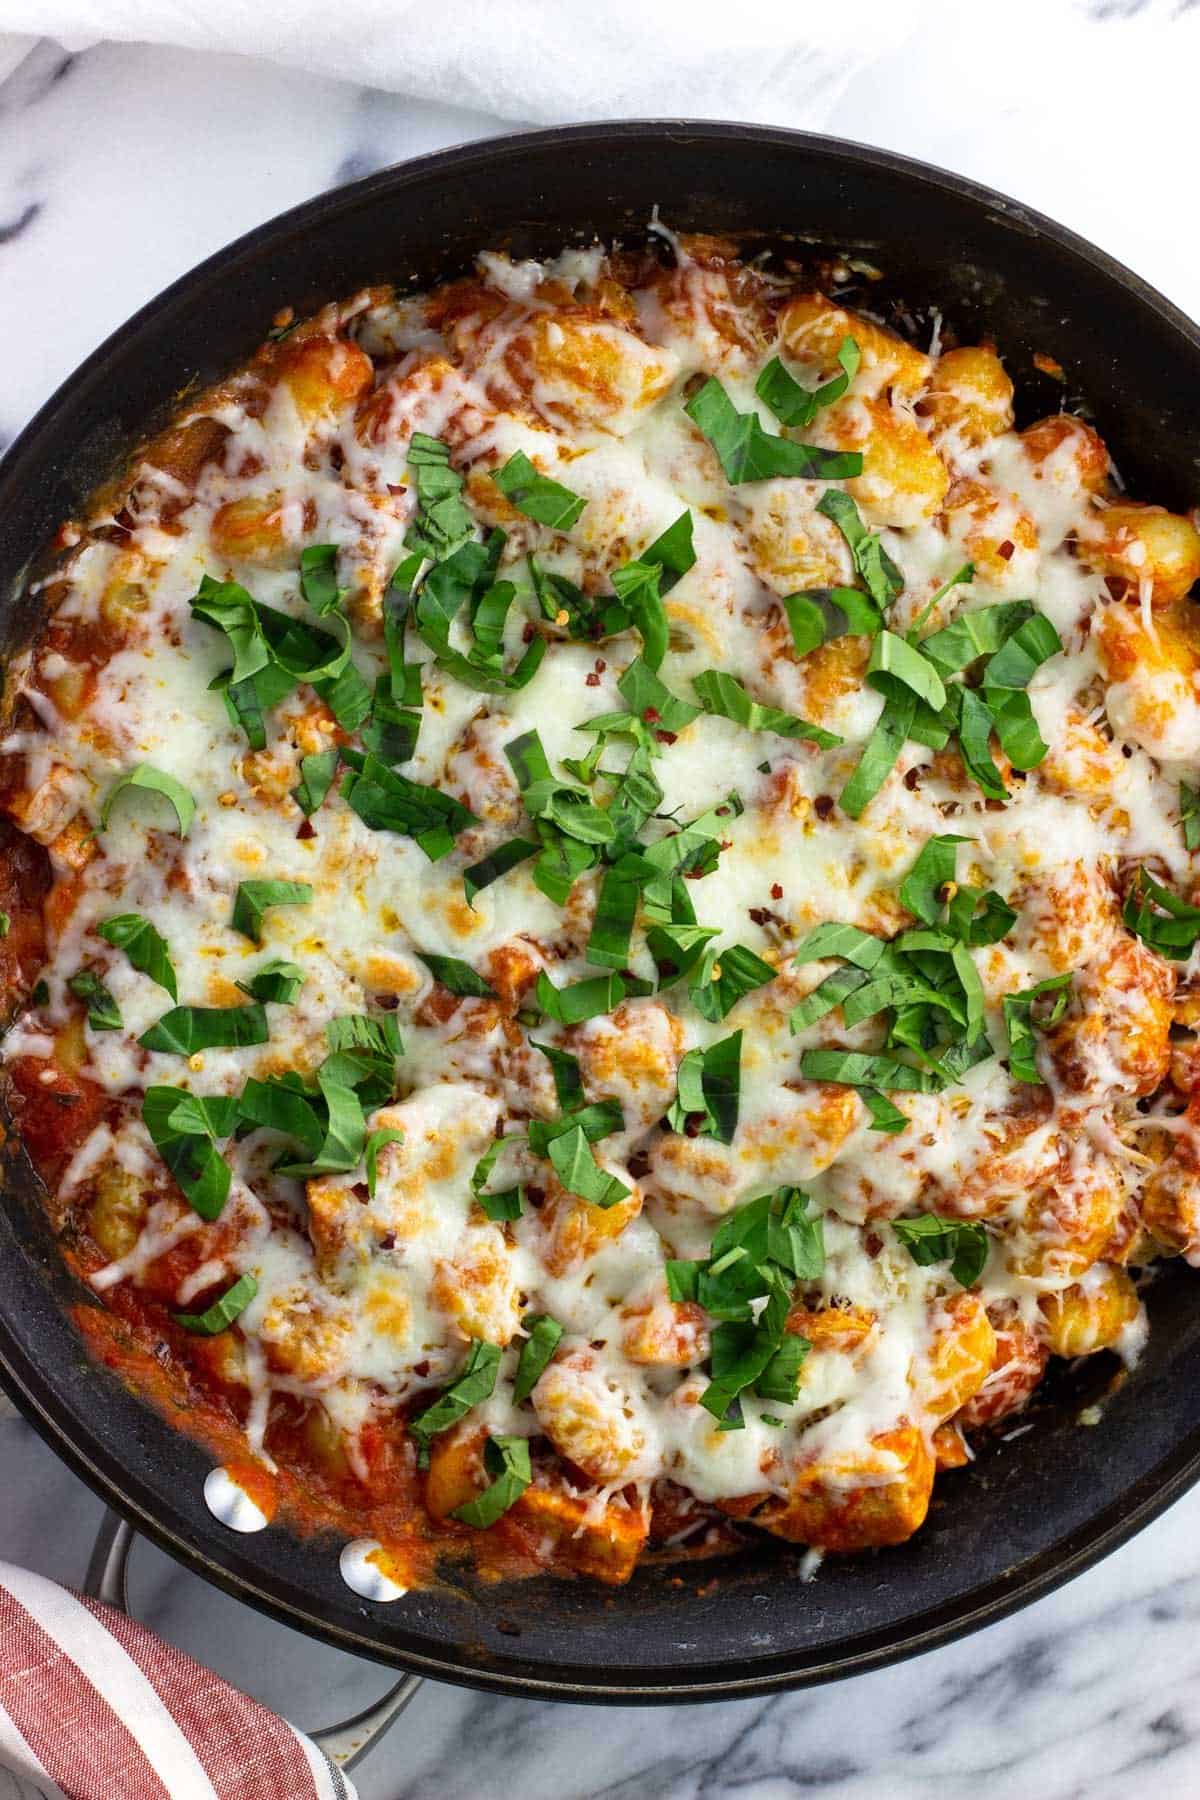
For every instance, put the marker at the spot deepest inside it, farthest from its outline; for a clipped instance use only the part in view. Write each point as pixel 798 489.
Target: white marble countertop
pixel 1094 1691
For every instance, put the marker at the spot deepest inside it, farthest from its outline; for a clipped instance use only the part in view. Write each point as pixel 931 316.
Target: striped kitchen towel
pixel 93 1706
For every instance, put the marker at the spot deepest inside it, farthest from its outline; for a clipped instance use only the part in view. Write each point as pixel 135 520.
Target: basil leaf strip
pixel 536 495
pixel 506 1460
pixel 580 1000
pixel 895 665
pixel 748 453
pixel 974 634
pixel 673 551
pixel 186 1029
pixel 253 897
pixel 442 521
pixel 279 982
pixel 147 779
pixel 879 574
pixel 723 977
pixel 184 1129
pixel 930 1239
pixel 650 700
pixel 545 1335
pixel 879 754
pixel 794 405
pixel 318 576
pixel 1156 915
pixel 316 778
pixel 1189 816
pixel 933 871
pixel 457 977
pixel 387 801
pixel 725 695
pixel 103 1013
pixel 497 863
pixel 855 1068
pixel 221 1314
pixel 143 945
pixel 708 1088
pixel 636 585
pixel 378 1140
pixel 1022 1014
pixel 474 1384
pixel 819 614
pixel 580 1173
pixel 508 1204
pixel 227 606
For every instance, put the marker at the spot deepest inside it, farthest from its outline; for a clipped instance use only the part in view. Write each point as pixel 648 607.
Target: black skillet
pixel 1032 1511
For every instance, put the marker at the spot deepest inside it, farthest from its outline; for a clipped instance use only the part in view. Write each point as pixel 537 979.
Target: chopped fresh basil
pixel 387 801
pixel 1189 816
pixel 748 453
pixel 879 754
pixel 318 576
pixel 708 1085
pixel 616 909
pixel 922 888
pixel 824 613
pixel 722 977
pixel 508 1204
pixel 580 1000
pixel 227 606
pixel 470 1387
pixel 103 1013
pixel 580 1173
pixel 497 863
pixel 725 695
pixel 961 577
pixel 882 579
pixel 930 1239
pixel 378 1140
pixel 442 522
pixel 545 1335
pixel 895 665
pixel 253 897
pixel 143 945
pixel 568 1078
pixel 636 586
pixel 536 495
pixel 222 1313
pixel 973 634
pixel 316 778
pixel 1160 918
pixel 278 981
pixel 184 1128
pixel 506 1460
pixel 650 701
pixel 457 976
pixel 796 406
pixel 856 1068
pixel 150 780
pixel 884 1116
pixel 673 551
pixel 186 1029
pixel 1022 1014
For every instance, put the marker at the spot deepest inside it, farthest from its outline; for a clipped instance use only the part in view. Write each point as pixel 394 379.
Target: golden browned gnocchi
pixel 608 932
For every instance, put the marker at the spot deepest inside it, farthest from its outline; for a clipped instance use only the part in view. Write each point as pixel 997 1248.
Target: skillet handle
pixel 344 1743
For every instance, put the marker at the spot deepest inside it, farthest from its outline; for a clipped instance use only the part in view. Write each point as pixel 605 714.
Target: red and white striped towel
pixel 93 1706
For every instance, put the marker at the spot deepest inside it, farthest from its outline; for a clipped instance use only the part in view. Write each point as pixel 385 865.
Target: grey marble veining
pixel 119 169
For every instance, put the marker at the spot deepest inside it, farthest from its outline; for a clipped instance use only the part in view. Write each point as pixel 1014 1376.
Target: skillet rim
pixel 50 1414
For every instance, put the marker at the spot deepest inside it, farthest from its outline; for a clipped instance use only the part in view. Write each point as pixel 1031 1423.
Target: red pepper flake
pixel 652 716
pixel 593 680
pixel 666 737
pixel 337 457
pixel 823 805
pixel 762 915
pixel 776 892
pixel 305 830
pixel 693 1125
pixel 1006 549
pixel 600 665
pixel 912 778
pixel 873 1243
pixel 396 487
pixel 527 635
